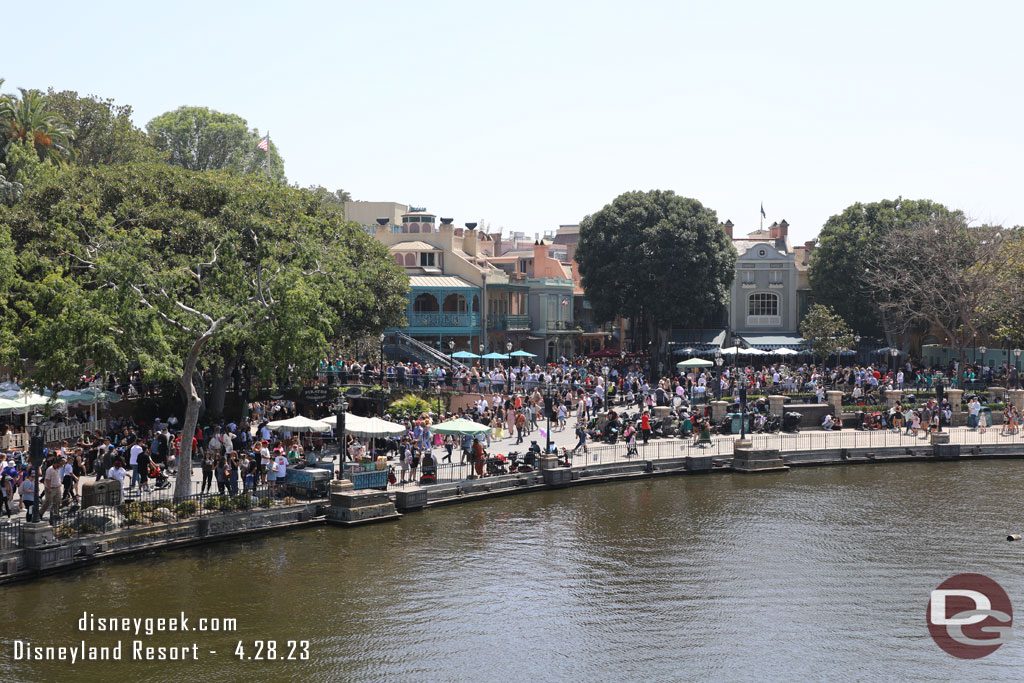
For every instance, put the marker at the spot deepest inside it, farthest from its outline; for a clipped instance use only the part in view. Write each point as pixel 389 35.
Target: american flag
pixel 264 143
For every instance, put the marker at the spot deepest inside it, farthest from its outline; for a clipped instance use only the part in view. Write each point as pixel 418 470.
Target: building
pixel 449 274
pixel 770 294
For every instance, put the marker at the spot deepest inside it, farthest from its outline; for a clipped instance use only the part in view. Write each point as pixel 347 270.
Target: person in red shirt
pixel 645 426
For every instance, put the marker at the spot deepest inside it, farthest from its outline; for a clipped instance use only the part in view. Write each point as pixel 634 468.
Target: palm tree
pixel 30 122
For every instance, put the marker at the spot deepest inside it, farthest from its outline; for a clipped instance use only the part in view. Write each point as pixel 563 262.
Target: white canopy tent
pixel 299 424
pixel 372 427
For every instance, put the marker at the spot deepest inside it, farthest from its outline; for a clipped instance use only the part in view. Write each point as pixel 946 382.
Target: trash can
pixel 737 420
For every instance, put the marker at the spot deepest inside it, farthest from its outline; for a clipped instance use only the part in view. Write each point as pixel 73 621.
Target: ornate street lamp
pixel 983 349
pixel 549 393
pixel 35 457
pixel 718 381
pixel 743 405
pixel 382 361
pixel 339 408
pixel 894 352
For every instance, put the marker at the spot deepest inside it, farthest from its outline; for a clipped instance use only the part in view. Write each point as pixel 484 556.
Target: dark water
pixel 818 574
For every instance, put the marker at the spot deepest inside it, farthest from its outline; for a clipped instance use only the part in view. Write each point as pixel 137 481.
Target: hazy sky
pixel 531 114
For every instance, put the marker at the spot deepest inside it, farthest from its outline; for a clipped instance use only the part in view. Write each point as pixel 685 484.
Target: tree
pixel 657 257
pixel 848 244
pixel 30 121
pixel 101 132
pixel 201 139
pixel 826 331
pixel 154 263
pixel 946 275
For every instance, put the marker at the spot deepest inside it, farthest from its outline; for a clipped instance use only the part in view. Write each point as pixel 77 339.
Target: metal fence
pixel 10 533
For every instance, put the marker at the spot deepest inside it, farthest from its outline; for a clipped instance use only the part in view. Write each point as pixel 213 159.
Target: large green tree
pixel 153 263
pixel 826 331
pixel 201 139
pixel 102 132
pixel 850 243
pixel 658 258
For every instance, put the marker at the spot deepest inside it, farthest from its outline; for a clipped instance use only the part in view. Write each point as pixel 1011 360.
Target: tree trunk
pixel 221 373
pixel 193 402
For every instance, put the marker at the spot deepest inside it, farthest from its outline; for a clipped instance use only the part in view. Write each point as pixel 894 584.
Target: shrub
pixel 218 503
pixel 266 502
pixel 87 528
pixel 409 406
pixel 186 508
pixel 289 500
pixel 64 531
pixel 243 502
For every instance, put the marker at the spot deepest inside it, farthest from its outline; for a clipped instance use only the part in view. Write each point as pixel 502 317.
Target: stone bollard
pixel 718 411
pixel 339 485
pixel 1016 398
pixel 548 462
pixel 997 394
pixel 956 399
pixel 777 405
pixel 835 399
pixel 661 412
pixel 35 534
pixel 940 438
pixel 892 397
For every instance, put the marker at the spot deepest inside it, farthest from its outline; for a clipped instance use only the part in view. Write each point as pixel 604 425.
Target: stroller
pixel 791 422
pixel 429 470
pixel 872 421
pixel 160 480
pixel 496 465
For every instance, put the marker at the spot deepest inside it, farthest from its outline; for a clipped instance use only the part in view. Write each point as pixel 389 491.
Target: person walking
pixel 207 473
pixel 581 436
pixel 645 426
pixel 53 480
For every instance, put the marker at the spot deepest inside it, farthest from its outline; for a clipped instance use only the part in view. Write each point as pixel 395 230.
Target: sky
pixel 528 115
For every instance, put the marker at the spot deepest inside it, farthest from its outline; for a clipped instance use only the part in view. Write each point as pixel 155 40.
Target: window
pixel 748 277
pixel 426 259
pixel 424 303
pixel 776 277
pixel 762 303
pixel 522 265
pixel 410 260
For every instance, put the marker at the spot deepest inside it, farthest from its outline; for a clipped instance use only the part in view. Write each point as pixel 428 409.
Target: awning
pixel 770 342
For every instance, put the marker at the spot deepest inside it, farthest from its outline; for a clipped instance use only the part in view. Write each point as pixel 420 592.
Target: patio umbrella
pixel 460 427
pixel 523 354
pixel 730 351
pixel 754 352
pixel 694 363
pixel 464 354
pixel 367 426
pixel 300 424
pixel 785 352
pixel 495 356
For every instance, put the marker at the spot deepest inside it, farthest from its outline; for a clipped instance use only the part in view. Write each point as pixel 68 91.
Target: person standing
pixel 207 473
pixel 133 462
pixel 645 426
pixel 53 480
pixel 28 493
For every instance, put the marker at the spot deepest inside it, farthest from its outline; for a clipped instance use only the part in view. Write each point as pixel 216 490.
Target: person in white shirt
pixel 117 472
pixel 133 462
pixel 281 462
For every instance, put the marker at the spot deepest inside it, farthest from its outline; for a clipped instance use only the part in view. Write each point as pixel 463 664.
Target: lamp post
pixel 894 352
pixel 743 406
pixel 340 407
pixel 1016 362
pixel 451 350
pixel 35 457
pixel 718 381
pixel 382 361
pixel 548 391
pixel 438 401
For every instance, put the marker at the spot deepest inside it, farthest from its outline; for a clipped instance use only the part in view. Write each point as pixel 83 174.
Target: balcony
pixel 508 322
pixel 561 326
pixel 591 327
pixel 465 320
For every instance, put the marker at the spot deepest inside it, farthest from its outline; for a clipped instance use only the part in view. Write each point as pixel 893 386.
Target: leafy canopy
pixel 134 262
pixel 201 139
pixel 850 243
pixel 656 252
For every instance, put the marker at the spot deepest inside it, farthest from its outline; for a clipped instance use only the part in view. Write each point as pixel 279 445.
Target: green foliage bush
pixel 408 407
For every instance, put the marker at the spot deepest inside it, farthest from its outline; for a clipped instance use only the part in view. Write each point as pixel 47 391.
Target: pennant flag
pixel 265 145
pixel 763 214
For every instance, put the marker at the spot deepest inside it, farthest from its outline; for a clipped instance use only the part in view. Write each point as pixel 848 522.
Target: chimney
pixel 496 237
pixel 727 226
pixel 540 251
pixel 783 229
pixel 469 244
pixel 570 253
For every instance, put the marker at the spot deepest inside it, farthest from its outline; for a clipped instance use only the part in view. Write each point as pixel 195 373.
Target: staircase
pixel 406 348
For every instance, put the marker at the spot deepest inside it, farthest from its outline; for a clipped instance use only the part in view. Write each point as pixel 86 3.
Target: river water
pixel 817 574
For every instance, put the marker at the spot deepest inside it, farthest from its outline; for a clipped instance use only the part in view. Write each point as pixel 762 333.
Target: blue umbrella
pixel 464 354
pixel 495 356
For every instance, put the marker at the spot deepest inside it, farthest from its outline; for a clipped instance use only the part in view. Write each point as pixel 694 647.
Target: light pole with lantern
pixel 35 457
pixel 382 361
pixel 451 361
pixel 549 393
pixel 718 380
pixel 339 426
pixel 894 352
pixel 1016 363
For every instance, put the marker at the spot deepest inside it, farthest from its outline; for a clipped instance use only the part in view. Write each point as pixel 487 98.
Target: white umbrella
pixel 358 425
pixel 753 352
pixel 785 352
pixel 300 424
pixel 729 351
